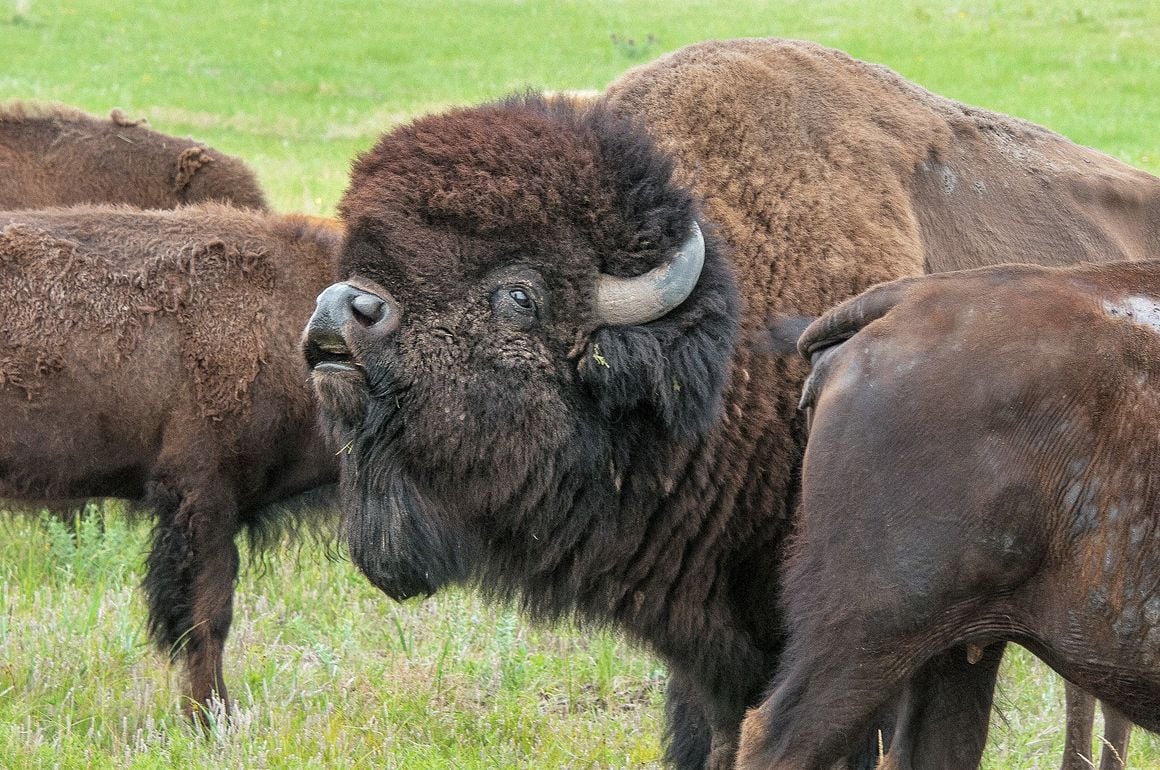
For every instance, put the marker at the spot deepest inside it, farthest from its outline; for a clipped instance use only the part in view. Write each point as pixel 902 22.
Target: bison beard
pixel 390 527
pixel 394 533
pixel 392 538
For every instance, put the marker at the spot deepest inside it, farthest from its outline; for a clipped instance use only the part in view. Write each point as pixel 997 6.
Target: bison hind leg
pixel 946 712
pixel 1081 710
pixel 76 513
pixel 825 707
pixel 1117 731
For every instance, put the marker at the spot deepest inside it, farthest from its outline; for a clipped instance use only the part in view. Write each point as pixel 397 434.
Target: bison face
pixel 529 316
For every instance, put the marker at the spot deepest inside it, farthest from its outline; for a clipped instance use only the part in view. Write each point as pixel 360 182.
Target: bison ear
pixel 672 370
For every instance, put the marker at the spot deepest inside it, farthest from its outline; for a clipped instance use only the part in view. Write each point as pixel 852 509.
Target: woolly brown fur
pixel 44 146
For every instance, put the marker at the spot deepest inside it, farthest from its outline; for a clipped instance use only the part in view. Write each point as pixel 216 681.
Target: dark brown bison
pixel 153 356
pixel 980 468
pixel 541 368
pixel 52 155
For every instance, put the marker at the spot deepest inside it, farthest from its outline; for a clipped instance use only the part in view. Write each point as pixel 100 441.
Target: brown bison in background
pixel 980 469
pixel 541 368
pixel 153 356
pixel 52 155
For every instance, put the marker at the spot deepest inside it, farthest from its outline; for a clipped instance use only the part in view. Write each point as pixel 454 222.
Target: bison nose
pixel 369 309
pixel 341 303
pixel 343 310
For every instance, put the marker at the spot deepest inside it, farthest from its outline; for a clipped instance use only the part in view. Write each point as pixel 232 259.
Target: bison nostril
pixel 368 308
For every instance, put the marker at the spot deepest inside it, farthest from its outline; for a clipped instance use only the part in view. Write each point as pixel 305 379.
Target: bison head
pixel 529 322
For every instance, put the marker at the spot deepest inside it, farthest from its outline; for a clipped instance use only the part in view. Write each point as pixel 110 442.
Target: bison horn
pixel 644 298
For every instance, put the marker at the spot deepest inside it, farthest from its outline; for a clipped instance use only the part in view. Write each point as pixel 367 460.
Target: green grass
pixel 326 670
pixel 299 87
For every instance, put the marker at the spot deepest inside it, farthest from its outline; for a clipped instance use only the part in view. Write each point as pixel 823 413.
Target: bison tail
pixel 847 319
pixel 821 339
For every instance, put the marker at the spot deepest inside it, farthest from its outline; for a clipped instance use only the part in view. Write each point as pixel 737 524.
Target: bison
pixel 153 356
pixel 52 155
pixel 541 359
pixel 979 469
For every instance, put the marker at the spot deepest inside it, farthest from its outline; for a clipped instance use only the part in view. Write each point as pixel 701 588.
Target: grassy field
pixel 326 671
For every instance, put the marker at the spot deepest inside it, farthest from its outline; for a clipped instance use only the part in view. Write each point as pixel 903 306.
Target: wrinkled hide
pixel 978 471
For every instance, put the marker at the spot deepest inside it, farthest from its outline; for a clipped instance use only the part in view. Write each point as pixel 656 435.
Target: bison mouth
pixel 339 380
pixel 329 354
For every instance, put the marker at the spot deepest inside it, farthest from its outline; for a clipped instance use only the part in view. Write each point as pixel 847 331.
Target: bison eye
pixel 521 298
pixel 516 305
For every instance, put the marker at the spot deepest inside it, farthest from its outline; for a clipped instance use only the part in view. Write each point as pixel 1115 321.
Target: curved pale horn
pixel 644 298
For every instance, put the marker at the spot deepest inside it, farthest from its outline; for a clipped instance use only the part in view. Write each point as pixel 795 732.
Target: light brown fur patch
pixel 217 291
pixel 121 119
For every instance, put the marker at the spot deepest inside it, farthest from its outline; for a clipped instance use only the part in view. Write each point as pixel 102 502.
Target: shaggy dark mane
pixel 518 169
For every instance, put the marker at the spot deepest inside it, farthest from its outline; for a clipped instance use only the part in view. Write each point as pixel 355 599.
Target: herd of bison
pixel 568 350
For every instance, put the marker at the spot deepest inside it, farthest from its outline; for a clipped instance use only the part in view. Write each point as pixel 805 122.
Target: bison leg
pixel 70 513
pixel 1081 710
pixel 947 710
pixel 827 698
pixel 189 581
pixel 830 697
pixel 1117 730
pixel 698 738
pixel 687 733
